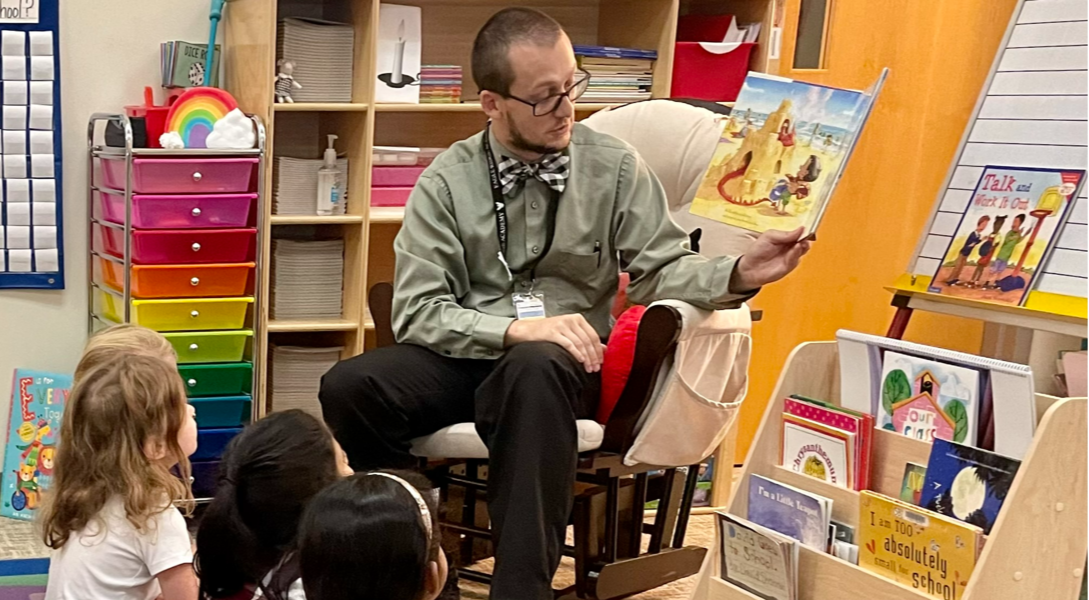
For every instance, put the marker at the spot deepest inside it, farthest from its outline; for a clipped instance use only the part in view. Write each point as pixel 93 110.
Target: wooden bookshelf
pixel 1036 549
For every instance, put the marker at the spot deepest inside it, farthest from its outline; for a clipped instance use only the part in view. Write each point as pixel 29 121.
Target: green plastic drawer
pixel 224 379
pixel 209 346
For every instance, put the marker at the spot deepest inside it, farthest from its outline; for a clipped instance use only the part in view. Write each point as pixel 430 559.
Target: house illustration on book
pixel 920 416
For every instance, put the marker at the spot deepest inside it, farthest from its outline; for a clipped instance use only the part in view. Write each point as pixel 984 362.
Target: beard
pixel 519 142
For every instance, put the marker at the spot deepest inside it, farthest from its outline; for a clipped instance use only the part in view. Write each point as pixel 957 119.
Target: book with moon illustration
pixel 967 483
pixel 782 152
pixel 923 550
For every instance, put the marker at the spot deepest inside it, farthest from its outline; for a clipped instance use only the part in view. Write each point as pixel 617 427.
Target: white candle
pixel 398 55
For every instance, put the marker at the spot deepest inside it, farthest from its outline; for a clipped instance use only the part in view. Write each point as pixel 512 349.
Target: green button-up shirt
pixel 453 294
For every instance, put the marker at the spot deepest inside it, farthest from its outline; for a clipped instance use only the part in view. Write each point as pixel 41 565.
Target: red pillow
pixel 619 356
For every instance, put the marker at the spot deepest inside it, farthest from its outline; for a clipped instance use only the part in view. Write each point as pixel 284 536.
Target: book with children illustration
pixel 782 152
pixel 927 399
pixel 37 405
pixel 1006 233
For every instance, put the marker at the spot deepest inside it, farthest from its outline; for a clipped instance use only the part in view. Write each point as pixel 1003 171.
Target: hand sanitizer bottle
pixel 330 196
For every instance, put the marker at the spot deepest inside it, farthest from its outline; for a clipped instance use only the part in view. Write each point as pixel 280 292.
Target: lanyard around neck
pixel 499 204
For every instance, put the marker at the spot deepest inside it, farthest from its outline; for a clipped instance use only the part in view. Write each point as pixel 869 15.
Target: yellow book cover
pixel 916 547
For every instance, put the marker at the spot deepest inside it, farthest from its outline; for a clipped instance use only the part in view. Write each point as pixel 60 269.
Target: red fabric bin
pixel 705 75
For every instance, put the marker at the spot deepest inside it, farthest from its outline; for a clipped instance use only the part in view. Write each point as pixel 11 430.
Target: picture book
pixel 818 451
pixel 840 418
pixel 911 490
pixel 37 407
pixel 182 64
pixel 781 153
pixel 918 548
pixel 790 511
pixel 758 560
pixel 927 399
pixel 967 483
pixel 1012 220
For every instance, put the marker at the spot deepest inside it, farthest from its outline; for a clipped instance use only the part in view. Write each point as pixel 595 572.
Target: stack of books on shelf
pixel 307 279
pixel 181 64
pixel 616 74
pixel 322 52
pixel 295 185
pixel 440 84
pixel 295 374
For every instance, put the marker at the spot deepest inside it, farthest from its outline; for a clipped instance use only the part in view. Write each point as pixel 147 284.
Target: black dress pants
pixel 524 405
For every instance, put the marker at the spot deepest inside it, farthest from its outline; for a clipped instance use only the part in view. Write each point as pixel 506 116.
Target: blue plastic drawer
pixel 212 442
pixel 205 475
pixel 221 411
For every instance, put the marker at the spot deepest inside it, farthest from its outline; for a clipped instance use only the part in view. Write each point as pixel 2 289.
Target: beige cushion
pixel 677 141
pixel 462 441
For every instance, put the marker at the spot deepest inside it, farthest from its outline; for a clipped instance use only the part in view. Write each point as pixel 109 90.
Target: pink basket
pixel 395 176
pixel 181 175
pixel 179 212
pixel 390 196
pixel 180 246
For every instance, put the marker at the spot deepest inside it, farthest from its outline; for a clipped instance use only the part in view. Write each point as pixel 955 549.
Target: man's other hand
pixel 572 332
pixel 770 258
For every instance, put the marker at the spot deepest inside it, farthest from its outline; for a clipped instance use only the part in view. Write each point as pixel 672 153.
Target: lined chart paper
pixel 31 245
pixel 1033 113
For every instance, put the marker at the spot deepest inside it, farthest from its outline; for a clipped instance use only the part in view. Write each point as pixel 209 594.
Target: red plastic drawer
pixel 395 176
pixel 177 281
pixel 181 175
pixel 177 212
pixel 179 246
pixel 390 196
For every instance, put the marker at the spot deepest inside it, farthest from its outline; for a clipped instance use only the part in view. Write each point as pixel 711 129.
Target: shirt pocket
pixel 585 279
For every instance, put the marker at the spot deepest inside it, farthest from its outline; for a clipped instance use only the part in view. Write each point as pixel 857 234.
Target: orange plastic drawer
pixel 178 281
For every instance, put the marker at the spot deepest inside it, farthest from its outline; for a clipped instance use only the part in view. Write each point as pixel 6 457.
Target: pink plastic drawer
pixel 395 176
pixel 390 196
pixel 181 175
pixel 180 246
pixel 179 212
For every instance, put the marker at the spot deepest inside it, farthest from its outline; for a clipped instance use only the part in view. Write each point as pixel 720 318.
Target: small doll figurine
pixel 285 81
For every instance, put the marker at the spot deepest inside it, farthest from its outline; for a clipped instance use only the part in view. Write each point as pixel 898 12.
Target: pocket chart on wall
pixel 1031 115
pixel 31 246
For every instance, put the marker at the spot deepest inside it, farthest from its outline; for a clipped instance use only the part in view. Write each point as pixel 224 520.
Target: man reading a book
pixel 507 265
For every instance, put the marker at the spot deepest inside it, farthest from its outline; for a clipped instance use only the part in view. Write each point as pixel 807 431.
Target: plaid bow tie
pixel 552 170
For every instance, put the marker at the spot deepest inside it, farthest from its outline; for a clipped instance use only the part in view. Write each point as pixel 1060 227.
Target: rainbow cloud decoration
pixel 193 117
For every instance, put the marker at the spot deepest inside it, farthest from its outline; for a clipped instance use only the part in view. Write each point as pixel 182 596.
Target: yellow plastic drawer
pixel 194 347
pixel 184 314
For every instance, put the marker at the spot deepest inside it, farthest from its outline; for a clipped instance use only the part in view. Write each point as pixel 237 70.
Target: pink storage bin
pixel 178 212
pixel 179 246
pixel 395 176
pixel 390 196
pixel 181 175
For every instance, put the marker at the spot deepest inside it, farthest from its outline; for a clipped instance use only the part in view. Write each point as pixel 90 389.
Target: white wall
pixel 109 52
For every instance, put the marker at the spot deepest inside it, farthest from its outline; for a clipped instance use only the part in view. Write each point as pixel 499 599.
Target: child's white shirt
pixel 117 561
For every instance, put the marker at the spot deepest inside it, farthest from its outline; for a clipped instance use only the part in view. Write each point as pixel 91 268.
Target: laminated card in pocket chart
pixel 31 240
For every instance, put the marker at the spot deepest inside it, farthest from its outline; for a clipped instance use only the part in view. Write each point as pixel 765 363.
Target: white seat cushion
pixel 462 441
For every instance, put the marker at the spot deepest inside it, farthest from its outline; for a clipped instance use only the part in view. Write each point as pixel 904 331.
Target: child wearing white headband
pixel 372 536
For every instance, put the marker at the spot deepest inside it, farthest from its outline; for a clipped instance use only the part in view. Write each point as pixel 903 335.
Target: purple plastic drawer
pixel 395 176
pixel 180 246
pixel 179 212
pixel 181 175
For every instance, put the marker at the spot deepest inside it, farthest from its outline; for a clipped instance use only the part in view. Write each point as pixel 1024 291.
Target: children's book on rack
pixel 37 408
pixel 782 152
pixel 757 559
pixel 790 511
pixel 967 483
pixel 827 442
pixel 928 399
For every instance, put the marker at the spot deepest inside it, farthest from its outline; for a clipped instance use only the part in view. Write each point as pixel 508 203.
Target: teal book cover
pixel 37 408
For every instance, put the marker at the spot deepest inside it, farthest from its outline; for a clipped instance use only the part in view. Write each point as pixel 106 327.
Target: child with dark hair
pixel 973 240
pixel 372 536
pixel 269 473
pixel 987 250
pixel 1005 251
pixel 794 186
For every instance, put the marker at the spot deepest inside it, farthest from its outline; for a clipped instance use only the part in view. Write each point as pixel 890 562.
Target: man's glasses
pixel 551 103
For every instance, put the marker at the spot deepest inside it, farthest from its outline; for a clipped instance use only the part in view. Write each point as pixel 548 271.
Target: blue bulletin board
pixel 31 240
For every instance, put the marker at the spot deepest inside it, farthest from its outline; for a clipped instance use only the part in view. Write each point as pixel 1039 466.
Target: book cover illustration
pixel 1007 230
pixel 37 407
pixel 918 548
pixel 967 483
pixel 182 65
pixel 926 399
pixel 399 54
pixel 911 490
pixel 839 418
pixel 756 559
pixel 817 451
pixel 790 511
pixel 781 153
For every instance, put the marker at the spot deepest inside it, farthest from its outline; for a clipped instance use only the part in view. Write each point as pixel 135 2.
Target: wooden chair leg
pixel 663 518
pixel 686 505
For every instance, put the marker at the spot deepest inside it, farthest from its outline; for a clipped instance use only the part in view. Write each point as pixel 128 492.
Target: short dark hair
pixel 491 50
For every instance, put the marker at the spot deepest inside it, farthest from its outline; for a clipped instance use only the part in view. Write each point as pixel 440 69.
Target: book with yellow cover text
pixel 916 547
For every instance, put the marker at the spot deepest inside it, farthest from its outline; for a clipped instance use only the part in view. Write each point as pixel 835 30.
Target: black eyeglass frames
pixel 551 103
